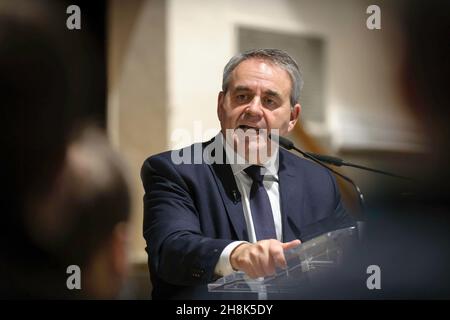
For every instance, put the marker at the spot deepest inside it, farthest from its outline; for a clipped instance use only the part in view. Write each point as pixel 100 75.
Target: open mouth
pixel 245 128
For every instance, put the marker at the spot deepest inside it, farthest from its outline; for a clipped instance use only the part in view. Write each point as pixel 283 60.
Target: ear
pixel 220 99
pixel 295 112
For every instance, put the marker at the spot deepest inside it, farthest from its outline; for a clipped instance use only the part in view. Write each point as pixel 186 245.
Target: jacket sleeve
pixel 337 216
pixel 178 252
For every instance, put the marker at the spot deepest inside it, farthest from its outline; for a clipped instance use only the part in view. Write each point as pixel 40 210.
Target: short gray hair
pixel 275 56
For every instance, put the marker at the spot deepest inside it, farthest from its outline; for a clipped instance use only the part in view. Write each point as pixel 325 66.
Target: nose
pixel 254 109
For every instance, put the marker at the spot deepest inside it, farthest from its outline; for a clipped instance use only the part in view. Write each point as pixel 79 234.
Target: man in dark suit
pixel 245 201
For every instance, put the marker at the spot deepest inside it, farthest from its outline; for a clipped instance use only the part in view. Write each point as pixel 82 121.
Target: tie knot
pixel 255 173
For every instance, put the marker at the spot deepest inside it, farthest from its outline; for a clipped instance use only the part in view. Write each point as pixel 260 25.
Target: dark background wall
pixel 92 55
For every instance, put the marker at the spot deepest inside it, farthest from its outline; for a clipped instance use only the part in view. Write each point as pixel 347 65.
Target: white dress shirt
pixel 244 183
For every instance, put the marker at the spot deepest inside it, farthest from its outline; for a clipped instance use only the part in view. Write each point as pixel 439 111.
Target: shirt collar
pixel 271 166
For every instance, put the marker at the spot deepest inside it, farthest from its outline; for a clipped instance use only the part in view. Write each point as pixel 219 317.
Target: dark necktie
pixel 260 206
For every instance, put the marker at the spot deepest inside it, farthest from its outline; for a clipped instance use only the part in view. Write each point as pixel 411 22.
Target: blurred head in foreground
pixel 424 81
pixel 82 221
pixel 64 195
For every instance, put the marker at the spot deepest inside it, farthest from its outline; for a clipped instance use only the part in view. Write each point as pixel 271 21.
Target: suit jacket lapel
pixel 224 179
pixel 231 198
pixel 291 196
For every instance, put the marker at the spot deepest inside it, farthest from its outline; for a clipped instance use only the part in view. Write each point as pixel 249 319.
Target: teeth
pixel 245 128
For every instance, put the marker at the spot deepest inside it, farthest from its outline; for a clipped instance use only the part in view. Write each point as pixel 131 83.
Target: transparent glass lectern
pixel 320 253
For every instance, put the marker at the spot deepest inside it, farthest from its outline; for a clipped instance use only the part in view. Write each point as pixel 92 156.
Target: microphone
pixel 289 145
pixel 236 196
pixel 328 159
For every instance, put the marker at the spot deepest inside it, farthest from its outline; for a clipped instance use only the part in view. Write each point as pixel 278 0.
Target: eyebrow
pixel 242 88
pixel 272 93
pixel 267 92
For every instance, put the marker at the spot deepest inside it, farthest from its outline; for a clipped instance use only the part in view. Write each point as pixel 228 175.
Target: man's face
pixel 258 97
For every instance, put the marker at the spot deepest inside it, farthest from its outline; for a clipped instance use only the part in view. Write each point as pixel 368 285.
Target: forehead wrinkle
pixel 260 73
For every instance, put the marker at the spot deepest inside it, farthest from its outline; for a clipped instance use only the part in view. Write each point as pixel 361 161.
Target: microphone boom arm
pixel 339 162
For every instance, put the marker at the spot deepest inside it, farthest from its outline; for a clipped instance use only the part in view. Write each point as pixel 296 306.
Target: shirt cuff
pixel 223 266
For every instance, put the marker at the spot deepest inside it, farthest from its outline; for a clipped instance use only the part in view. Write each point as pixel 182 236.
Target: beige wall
pixel 137 113
pixel 361 93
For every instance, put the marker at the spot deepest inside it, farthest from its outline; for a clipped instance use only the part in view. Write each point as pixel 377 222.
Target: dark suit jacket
pixel 193 211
